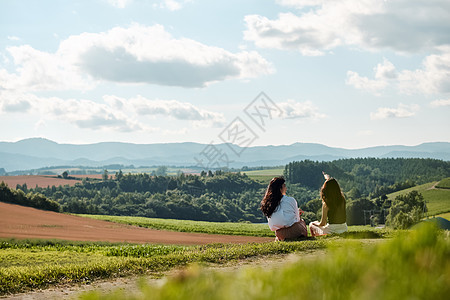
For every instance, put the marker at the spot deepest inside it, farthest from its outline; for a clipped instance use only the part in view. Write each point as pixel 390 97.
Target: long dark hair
pixel 331 193
pixel 272 197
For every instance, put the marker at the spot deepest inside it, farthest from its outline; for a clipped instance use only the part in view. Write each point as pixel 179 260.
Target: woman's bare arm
pixel 323 221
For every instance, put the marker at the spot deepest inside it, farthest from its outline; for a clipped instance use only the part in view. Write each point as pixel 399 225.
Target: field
pixel 377 270
pixel 41 249
pixel 37 180
pixel 35 264
pixel 437 199
pixel 26 222
pixel 414 265
pixel 244 229
pixel 264 176
pixel 444 183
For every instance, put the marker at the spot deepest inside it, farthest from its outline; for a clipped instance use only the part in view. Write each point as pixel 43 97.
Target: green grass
pixel 264 176
pixel 414 265
pixel 445 216
pixel 245 229
pixel 31 264
pixel 38 264
pixel 437 200
pixel 444 183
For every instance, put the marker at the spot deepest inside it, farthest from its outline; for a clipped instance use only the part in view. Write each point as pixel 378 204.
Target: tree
pixel 161 171
pixel 355 211
pixel 105 175
pixel 119 175
pixel 65 174
pixel 406 210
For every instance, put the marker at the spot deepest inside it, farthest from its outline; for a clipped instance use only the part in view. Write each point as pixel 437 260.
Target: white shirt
pixel 285 215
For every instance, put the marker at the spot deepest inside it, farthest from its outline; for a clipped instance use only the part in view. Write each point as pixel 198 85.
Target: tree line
pixel 234 196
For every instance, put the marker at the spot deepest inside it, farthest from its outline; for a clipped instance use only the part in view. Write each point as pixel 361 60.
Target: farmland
pixel 264 176
pixel 245 229
pixel 437 199
pixel 44 181
pixel 37 180
pixel 26 222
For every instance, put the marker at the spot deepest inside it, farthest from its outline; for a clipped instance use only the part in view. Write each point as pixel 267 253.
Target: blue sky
pixel 348 74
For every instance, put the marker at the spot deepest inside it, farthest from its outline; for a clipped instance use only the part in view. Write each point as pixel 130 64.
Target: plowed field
pixel 37 180
pixel 26 222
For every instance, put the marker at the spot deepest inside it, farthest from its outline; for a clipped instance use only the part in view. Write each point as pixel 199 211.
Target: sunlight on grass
pixel 414 265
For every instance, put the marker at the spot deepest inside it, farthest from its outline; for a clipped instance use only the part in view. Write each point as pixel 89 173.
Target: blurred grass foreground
pixel 413 265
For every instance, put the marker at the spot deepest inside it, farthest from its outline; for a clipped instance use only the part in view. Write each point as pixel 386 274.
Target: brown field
pixel 29 223
pixel 43 180
pixel 95 176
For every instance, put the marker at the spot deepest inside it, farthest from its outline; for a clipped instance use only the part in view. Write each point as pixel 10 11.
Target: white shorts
pixel 329 228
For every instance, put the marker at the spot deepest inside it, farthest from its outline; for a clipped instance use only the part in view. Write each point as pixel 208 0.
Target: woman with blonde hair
pixel 282 212
pixel 333 209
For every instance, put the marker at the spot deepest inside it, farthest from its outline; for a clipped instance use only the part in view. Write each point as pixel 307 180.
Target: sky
pixel 348 74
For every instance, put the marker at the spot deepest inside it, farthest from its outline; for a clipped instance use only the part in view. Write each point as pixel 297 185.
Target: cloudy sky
pixel 350 73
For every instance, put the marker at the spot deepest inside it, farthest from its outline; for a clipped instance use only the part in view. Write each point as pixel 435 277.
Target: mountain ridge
pixel 36 153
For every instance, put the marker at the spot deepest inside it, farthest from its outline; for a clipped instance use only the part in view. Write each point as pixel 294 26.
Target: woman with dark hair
pixel 333 209
pixel 282 212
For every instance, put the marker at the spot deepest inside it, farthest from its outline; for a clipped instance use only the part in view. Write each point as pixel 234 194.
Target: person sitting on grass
pixel 282 212
pixel 333 209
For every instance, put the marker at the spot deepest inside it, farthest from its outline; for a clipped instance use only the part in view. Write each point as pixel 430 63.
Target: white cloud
pixel 11 104
pixel 81 113
pixel 152 55
pixel 370 24
pixel 168 108
pixel 299 110
pixel 38 70
pixel 137 54
pixel 432 78
pixel 171 4
pixel 120 3
pixel 289 32
pixel 402 111
pixel 384 72
pixel 13 38
pixel 300 3
pixel 364 83
pixel 440 103
pixel 114 114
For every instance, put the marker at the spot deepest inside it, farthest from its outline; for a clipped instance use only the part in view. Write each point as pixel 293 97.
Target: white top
pixel 285 215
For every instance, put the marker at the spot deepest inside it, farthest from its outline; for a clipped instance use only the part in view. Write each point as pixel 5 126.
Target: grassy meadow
pixel 246 229
pixel 437 199
pixel 364 263
pixel 413 265
pixel 444 183
pixel 264 176
pixel 34 264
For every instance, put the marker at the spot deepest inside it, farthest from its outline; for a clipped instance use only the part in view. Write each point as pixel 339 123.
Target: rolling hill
pixel 437 199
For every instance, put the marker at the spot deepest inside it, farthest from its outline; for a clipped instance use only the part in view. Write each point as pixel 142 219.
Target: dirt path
pixel 433 186
pixel 26 222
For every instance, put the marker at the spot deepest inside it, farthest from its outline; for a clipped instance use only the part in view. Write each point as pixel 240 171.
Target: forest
pixel 234 196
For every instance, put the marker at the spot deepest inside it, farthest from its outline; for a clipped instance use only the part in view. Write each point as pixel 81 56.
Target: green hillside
pixel 264 176
pixel 444 183
pixel 437 199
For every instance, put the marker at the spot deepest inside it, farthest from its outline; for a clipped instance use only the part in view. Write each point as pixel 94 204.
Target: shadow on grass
pixel 362 235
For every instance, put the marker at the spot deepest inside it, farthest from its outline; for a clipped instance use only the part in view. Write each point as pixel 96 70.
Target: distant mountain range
pixel 37 153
